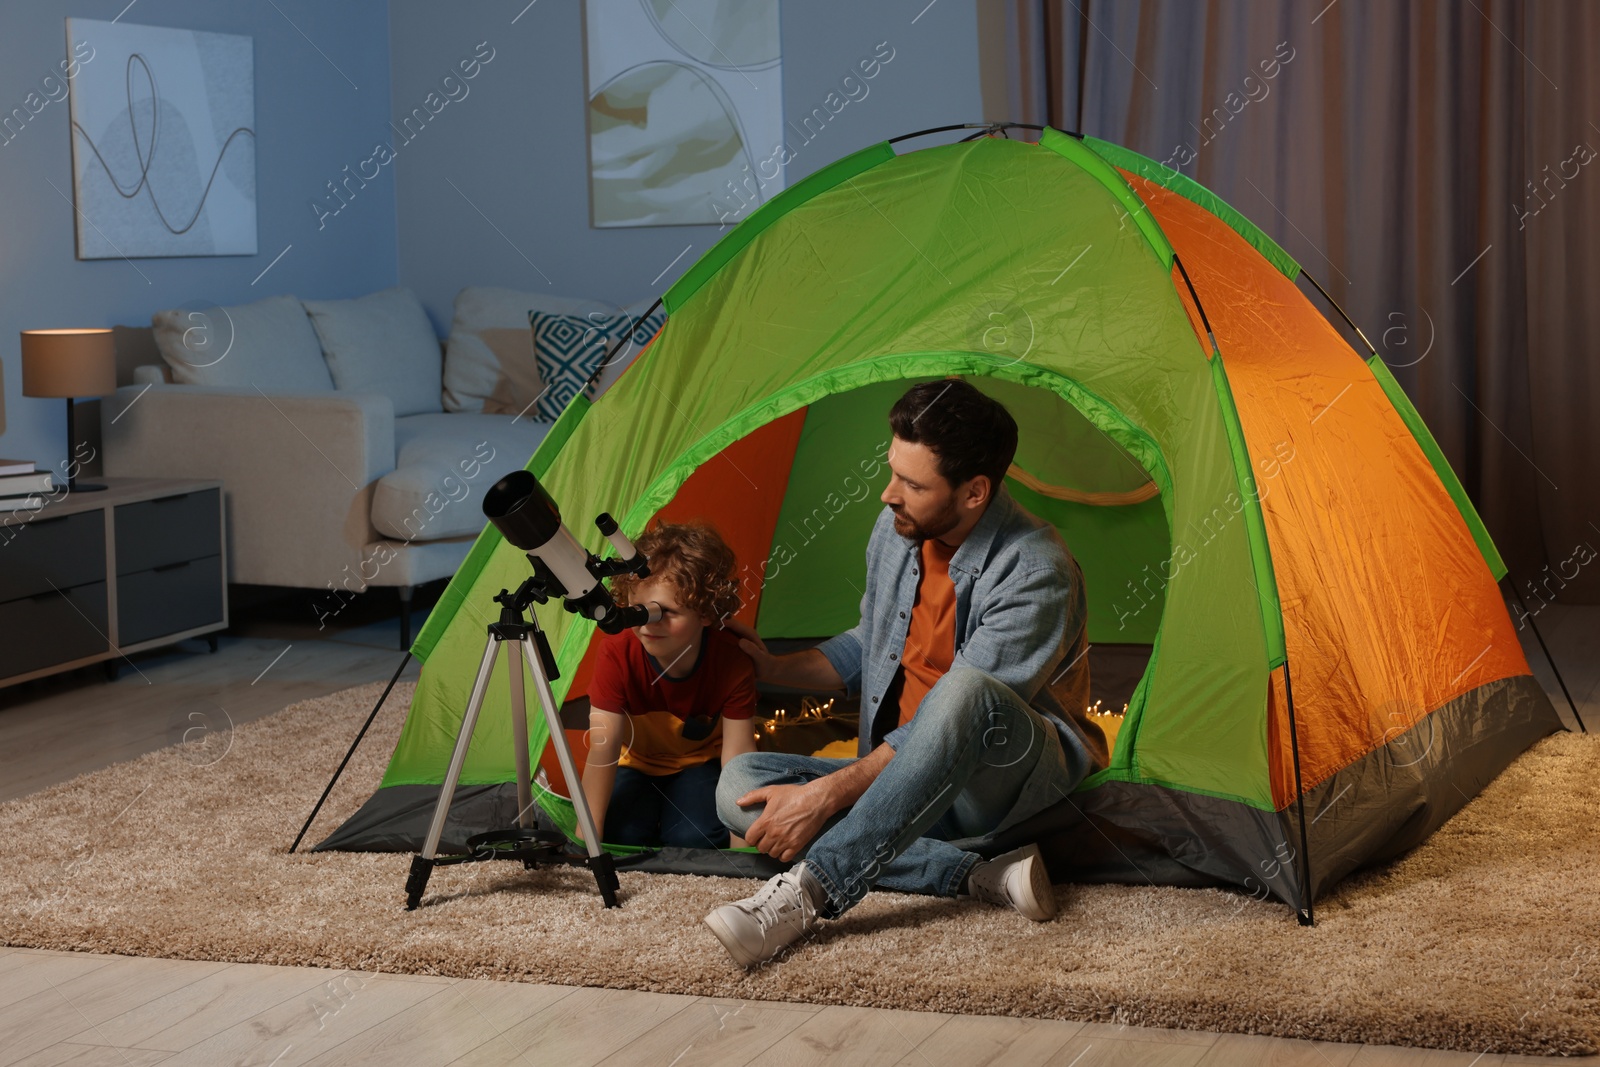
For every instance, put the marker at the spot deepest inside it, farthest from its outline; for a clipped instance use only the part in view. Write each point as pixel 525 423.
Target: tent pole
pixel 626 338
pixel 990 127
pixel 1305 915
pixel 1201 308
pixel 1348 320
pixel 1548 658
pixel 312 817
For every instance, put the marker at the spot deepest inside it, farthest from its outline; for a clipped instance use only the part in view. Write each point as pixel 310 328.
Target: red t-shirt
pixel 627 680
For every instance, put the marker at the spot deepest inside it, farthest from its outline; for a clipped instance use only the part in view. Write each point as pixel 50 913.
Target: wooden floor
pixel 70 1008
pixel 73 1008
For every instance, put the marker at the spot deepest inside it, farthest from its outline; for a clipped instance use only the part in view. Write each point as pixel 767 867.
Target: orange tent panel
pixel 1389 609
pixel 715 493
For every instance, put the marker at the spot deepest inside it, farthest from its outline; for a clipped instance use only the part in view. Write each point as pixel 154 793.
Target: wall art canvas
pixel 163 141
pixel 685 110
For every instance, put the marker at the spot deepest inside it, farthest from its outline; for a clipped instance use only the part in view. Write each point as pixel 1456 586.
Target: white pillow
pixel 488 363
pixel 269 344
pixel 381 343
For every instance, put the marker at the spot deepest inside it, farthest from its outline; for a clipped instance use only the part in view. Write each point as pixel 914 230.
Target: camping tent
pixel 1333 672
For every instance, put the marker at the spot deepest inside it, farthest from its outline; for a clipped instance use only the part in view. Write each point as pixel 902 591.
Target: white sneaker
pixel 782 911
pixel 1018 880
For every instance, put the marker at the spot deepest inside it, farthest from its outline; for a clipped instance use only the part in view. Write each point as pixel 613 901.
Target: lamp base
pixel 73 485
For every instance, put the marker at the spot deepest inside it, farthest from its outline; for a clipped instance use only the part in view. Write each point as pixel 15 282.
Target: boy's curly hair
pixel 694 560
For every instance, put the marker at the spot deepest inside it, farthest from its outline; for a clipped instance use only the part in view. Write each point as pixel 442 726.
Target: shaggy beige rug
pixel 1485 938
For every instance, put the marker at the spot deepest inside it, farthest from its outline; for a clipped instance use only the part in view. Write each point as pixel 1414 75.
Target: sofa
pixel 354 448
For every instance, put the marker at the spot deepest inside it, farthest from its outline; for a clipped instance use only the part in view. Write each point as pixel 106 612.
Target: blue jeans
pixel 666 809
pixel 976 760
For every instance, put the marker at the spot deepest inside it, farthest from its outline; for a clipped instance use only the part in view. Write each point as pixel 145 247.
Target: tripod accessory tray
pixel 532 845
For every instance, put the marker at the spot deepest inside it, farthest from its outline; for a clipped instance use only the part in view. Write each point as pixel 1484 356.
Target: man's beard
pixel 941 523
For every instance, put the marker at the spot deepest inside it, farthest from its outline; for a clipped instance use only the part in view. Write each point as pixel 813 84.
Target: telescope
pixel 528 518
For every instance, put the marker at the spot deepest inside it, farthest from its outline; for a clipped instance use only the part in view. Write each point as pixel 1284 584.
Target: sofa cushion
pixel 444 463
pixel 269 344
pixel 570 348
pixel 488 364
pixel 381 343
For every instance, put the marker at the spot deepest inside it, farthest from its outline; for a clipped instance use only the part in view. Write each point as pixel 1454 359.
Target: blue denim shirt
pixel 1019 609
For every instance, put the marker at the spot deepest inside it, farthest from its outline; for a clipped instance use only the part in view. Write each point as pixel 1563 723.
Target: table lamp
pixel 69 363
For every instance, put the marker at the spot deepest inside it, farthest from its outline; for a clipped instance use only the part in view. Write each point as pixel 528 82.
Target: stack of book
pixel 22 486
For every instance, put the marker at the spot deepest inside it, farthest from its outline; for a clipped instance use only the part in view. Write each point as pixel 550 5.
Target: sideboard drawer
pixel 53 627
pixel 169 529
pixel 64 551
pixel 168 599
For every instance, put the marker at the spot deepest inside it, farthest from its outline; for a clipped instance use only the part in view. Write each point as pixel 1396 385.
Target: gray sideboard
pixel 92 576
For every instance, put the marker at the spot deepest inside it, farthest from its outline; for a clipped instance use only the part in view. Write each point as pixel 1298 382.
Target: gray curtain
pixel 1433 164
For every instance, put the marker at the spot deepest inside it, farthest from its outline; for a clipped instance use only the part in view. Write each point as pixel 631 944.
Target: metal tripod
pixel 524 841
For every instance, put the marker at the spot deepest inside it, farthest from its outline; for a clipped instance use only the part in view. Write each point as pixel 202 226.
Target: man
pixel 970 608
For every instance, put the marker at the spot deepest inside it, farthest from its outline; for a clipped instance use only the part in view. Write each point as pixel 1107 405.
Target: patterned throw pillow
pixel 570 348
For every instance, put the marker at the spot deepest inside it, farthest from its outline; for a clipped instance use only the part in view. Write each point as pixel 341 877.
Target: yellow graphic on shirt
pixel 656 744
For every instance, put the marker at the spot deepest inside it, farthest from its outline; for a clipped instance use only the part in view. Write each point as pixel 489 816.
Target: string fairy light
pixel 810 712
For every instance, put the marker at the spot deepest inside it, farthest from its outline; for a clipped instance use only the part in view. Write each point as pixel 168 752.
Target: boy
pixel 670 702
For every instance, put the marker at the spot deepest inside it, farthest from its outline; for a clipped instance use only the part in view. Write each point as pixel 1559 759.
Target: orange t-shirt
pixel 931 639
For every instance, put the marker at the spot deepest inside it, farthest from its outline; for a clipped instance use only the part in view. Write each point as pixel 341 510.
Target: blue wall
pixel 515 148
pixel 492 187
pixel 310 123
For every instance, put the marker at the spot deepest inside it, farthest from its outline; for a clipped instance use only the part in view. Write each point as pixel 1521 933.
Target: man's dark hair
pixel 969 432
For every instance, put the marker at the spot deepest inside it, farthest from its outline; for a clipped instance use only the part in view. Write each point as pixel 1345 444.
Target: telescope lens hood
pixel 522 510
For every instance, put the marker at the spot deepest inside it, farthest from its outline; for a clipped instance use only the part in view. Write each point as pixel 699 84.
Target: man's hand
pixel 753 646
pixel 793 816
pixel 808 669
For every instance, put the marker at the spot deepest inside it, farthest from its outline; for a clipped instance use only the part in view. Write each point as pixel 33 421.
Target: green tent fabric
pixel 1130 365
pixel 882 270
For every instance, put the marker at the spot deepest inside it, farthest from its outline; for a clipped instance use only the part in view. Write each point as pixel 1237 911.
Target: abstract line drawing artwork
pixel 163 142
pixel 685 110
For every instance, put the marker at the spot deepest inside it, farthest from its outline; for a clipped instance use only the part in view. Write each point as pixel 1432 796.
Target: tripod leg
pixel 519 741
pixel 605 874
pixel 600 861
pixel 558 738
pixel 422 864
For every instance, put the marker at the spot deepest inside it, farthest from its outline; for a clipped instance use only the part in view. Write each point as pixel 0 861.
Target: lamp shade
pixel 68 363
